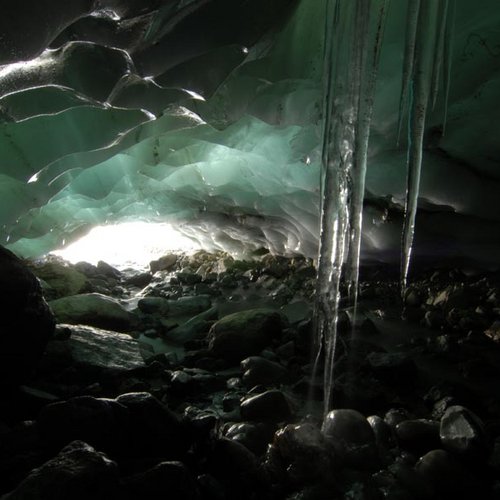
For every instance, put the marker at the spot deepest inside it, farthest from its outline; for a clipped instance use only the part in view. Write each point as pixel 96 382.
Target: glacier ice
pixel 162 111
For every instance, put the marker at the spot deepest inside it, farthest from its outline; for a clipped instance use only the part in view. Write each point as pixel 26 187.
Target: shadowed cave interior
pixel 201 370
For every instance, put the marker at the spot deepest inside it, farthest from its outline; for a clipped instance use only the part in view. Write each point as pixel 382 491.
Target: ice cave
pixel 319 314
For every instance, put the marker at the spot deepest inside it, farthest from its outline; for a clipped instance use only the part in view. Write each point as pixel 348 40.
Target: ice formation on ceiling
pixel 209 114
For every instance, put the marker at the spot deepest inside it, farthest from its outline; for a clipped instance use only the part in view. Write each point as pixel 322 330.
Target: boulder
pixel 132 425
pixel 93 309
pixel 62 278
pixel 165 480
pixel 96 351
pixel 193 328
pixel 419 435
pixel 244 333
pixel 78 472
pixel 107 270
pixel 462 432
pixel 301 450
pixel 261 371
pixel 442 472
pixel 184 306
pixel 154 429
pixel 26 322
pixel 165 263
pixel 269 406
pixel 100 422
pixel 352 438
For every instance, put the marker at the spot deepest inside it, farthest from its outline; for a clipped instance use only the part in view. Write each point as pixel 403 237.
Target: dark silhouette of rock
pixel 26 321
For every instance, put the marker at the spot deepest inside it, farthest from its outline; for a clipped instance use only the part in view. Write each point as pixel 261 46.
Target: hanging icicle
pixel 448 49
pixel 432 41
pixel 408 62
pixel 350 74
pixel 354 33
pixel 370 35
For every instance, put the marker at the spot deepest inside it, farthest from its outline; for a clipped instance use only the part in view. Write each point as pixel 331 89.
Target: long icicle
pixel 408 62
pixel 372 44
pixel 421 86
pixel 336 163
pixel 439 51
pixel 448 58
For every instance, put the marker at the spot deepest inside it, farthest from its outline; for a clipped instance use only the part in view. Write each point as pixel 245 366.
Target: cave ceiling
pixel 208 114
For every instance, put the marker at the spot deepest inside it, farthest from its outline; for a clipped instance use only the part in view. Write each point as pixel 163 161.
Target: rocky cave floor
pixel 194 381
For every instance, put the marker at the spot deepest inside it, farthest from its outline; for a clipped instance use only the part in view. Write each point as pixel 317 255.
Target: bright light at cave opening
pixel 131 244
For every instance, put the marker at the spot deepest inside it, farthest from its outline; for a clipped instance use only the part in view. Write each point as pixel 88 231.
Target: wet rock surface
pixel 212 393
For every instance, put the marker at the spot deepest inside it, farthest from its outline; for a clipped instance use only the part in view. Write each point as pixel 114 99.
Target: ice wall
pixel 210 114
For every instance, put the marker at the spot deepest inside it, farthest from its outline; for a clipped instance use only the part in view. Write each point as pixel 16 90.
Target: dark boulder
pixel 78 472
pixel 170 480
pixel 269 406
pixel 244 333
pixel 26 322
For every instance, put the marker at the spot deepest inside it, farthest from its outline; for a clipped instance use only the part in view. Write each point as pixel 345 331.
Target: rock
pixel 93 309
pixel 102 351
pixel 395 416
pixel 418 435
pixel 244 333
pixel 494 458
pixel 396 368
pixel 26 322
pixel 384 436
pixel 154 429
pixel 187 306
pixel 62 278
pixel 413 297
pixel 441 471
pixel 107 270
pixel 165 263
pixel 231 461
pixel 462 432
pixel 297 311
pixel 286 351
pixel 78 472
pixel 153 305
pixel 493 331
pixel 166 480
pixel 102 423
pixel 352 438
pixel 132 425
pixel 408 483
pixel 261 371
pixel 255 436
pixel 188 278
pixel 140 280
pixel 270 405
pixel 89 270
pixel 184 306
pixel 193 328
pixel 301 451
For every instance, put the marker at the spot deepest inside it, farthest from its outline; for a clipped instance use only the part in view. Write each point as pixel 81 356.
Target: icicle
pixel 439 51
pixel 372 37
pixel 448 57
pixel 350 69
pixel 409 56
pixel 421 86
pixel 336 163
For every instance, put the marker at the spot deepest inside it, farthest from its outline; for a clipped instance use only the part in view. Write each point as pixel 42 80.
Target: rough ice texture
pixel 106 127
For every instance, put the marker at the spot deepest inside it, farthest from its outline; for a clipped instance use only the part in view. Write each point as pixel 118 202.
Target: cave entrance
pixel 129 244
